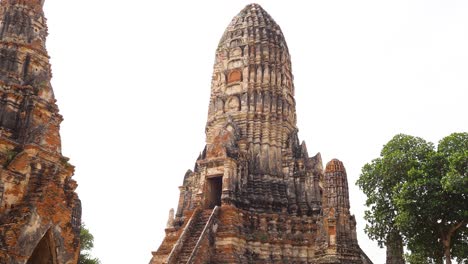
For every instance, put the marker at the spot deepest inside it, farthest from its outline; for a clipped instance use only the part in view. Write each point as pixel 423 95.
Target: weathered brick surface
pixel 39 210
pixel 278 205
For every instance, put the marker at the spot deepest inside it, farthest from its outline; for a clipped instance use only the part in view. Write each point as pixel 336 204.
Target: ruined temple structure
pixel 39 210
pixel 255 195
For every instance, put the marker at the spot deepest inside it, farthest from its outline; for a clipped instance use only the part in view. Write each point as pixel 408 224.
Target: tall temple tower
pixel 255 195
pixel 39 210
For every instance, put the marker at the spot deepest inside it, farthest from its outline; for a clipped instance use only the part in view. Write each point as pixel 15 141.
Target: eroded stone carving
pixel 277 204
pixel 40 213
pixel 170 220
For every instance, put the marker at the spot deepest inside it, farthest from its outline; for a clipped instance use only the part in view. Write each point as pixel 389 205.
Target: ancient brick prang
pixel 40 213
pixel 276 204
pixel 338 238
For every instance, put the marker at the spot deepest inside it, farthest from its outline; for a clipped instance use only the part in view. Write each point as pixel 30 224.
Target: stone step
pixel 192 240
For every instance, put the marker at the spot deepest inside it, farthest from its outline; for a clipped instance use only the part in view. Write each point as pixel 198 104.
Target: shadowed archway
pixel 215 186
pixel 44 253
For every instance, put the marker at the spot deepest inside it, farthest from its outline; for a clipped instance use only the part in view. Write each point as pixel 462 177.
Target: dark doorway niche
pixel 214 190
pixel 44 253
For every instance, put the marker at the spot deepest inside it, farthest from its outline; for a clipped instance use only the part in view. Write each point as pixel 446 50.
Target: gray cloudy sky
pixel 132 80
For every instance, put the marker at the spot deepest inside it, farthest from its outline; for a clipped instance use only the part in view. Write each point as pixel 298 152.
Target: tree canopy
pixel 417 195
pixel 87 244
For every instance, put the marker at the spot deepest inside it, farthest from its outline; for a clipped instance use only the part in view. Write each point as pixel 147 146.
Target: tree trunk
pixel 394 248
pixel 447 238
pixel 448 257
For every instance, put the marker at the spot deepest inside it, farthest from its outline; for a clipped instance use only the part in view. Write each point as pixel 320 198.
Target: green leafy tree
pixel 87 244
pixel 432 202
pixel 380 181
pixel 454 151
pixel 418 194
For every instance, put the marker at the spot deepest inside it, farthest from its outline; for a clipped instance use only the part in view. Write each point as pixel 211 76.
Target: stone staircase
pixel 192 239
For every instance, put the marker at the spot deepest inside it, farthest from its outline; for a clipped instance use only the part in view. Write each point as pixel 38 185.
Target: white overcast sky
pixel 132 80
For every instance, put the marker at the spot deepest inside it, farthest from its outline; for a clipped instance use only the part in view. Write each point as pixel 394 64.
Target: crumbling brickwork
pixel 276 203
pixel 40 212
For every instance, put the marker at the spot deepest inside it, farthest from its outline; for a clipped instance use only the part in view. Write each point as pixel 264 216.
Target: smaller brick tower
pixel 339 239
pixel 39 211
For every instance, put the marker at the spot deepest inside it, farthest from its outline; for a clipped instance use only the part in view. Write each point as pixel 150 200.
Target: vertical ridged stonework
pixel 270 191
pixel 339 226
pixel 39 210
pixel 252 101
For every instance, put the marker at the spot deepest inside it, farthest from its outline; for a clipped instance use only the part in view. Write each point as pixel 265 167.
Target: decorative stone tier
pixel 249 237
